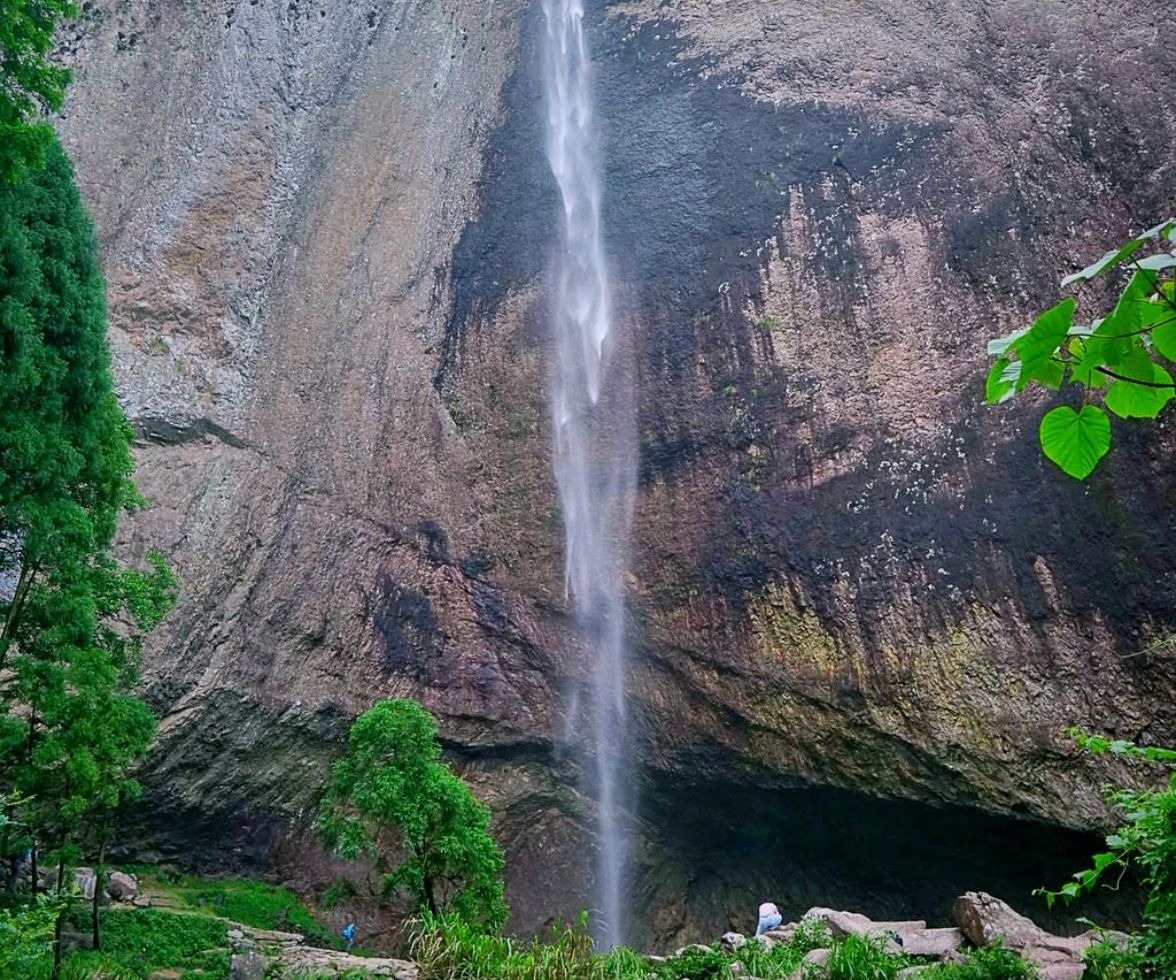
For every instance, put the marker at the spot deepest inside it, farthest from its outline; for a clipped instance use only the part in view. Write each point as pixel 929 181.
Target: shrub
pixel 1146 842
pixel 26 936
pixel 858 958
pixel 1109 961
pixel 452 949
pixel 991 963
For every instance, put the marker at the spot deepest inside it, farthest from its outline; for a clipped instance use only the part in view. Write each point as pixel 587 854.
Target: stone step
pixel 329 961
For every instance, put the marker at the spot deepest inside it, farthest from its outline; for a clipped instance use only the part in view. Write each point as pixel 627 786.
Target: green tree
pixel 71 618
pixel 392 798
pixel 65 462
pixel 1118 359
pixel 30 85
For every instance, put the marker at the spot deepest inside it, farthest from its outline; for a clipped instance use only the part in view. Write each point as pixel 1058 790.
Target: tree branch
pixel 28 571
pixel 1134 381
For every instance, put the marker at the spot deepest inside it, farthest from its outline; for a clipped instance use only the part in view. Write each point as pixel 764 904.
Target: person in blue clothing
pixel 769 918
pixel 349 935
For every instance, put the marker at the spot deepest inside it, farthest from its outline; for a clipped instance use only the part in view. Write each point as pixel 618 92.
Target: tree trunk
pixel 28 571
pixel 57 944
pixel 99 874
pixel 33 868
pixel 57 926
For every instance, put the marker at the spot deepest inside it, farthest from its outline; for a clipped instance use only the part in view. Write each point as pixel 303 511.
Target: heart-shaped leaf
pixel 1076 441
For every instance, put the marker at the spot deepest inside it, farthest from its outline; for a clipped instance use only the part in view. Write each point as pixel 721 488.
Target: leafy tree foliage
pixel 71 618
pixel 1119 358
pixel 1146 842
pixel 392 796
pixel 29 84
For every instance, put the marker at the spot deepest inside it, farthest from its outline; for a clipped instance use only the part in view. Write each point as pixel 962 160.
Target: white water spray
pixel 594 458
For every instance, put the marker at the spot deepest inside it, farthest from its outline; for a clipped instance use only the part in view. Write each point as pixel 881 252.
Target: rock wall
pixel 325 228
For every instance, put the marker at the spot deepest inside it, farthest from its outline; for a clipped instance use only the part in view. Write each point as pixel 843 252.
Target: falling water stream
pixel 594 458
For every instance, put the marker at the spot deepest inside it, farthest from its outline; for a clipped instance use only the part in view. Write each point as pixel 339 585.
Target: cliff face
pixel 325 228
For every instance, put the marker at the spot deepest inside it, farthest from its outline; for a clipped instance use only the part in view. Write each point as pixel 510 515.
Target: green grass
pixel 153 939
pixel 251 903
pixel 137 942
pixel 856 958
pixel 450 950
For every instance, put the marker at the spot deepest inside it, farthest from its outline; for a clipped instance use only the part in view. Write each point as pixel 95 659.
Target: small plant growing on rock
pixel 393 801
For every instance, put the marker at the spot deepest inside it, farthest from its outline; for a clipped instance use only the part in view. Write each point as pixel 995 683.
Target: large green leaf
pixel 1121 254
pixel 1085 361
pixel 1164 339
pixel 1118 336
pixel 1000 346
pixel 1137 397
pixel 1157 263
pixel 1076 441
pixel 1040 344
pixel 1001 383
pixel 1133 302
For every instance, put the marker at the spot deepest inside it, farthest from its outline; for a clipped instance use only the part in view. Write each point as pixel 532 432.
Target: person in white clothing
pixel 769 918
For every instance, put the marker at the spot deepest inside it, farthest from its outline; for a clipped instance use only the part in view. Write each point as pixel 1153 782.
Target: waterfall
pixel 594 452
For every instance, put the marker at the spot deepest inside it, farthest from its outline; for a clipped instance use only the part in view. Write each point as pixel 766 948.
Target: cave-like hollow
pixel 712 851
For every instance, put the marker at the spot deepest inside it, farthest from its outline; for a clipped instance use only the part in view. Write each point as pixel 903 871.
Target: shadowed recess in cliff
pixel 696 174
pixel 806 847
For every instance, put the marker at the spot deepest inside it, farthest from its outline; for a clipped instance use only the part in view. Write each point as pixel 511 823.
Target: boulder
pixel 76 939
pixel 247 967
pixel 985 920
pixel 813 960
pixel 122 887
pixel 324 961
pixel 784 933
pixel 932 942
pixel 842 924
pixel 732 941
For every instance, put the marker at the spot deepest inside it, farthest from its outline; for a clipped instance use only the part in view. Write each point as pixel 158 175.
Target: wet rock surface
pixel 325 229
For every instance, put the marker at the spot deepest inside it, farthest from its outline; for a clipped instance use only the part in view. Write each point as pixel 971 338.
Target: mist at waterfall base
pixel 594 454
